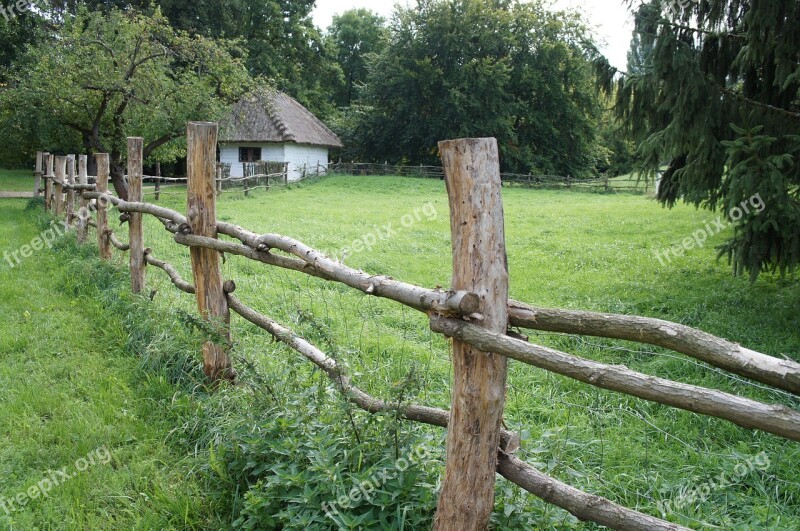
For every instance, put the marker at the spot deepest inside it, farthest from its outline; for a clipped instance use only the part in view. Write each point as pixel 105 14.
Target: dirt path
pixel 16 195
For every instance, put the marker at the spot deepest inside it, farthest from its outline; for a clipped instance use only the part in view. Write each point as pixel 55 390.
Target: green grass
pixel 573 250
pixel 70 390
pixel 566 249
pixel 16 180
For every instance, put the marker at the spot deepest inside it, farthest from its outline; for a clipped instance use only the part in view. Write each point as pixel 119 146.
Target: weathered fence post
pixel 219 180
pixel 83 212
pixel 58 193
pixel 48 180
pixel 70 204
pixel 201 142
pixel 135 228
pixel 285 173
pixel 37 175
pixel 472 170
pixel 103 237
pixel 158 181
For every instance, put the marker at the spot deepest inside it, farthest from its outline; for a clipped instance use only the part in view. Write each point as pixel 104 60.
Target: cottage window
pixel 249 154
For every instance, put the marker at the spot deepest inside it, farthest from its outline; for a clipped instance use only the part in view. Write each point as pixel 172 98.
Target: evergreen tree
pixel 719 101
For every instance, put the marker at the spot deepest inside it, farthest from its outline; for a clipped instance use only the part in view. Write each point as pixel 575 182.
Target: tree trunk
pixel 118 179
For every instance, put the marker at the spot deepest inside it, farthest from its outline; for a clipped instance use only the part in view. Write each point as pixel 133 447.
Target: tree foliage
pixel 470 68
pixel 109 76
pixel 281 41
pixel 355 36
pixel 717 96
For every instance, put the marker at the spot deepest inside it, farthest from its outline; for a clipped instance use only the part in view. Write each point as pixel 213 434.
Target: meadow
pixel 16 181
pixel 282 443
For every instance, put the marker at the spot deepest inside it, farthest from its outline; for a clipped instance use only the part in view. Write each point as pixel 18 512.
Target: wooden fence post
pixel 472 170
pixel 83 212
pixel 103 237
pixel 135 228
pixel 201 141
pixel 158 181
pixel 57 200
pixel 48 180
pixel 70 180
pixel 219 180
pixel 37 175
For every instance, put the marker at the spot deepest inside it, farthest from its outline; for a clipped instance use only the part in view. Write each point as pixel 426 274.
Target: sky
pixel 609 18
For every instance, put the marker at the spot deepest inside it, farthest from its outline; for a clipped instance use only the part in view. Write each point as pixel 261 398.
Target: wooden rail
pixel 475 312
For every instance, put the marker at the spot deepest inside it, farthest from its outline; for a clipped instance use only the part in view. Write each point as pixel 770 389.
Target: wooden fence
pixel 529 180
pixel 476 313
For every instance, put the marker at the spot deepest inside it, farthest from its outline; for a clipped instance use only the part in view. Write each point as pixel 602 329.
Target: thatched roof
pixel 268 116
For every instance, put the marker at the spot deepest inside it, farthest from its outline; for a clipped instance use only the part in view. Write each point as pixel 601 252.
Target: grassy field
pixel 75 401
pixel 571 250
pixel 566 249
pixel 16 180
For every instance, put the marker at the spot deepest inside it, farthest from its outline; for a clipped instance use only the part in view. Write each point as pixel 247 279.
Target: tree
pixel 17 31
pixel 470 68
pixel 282 43
pixel 109 76
pixel 719 100
pixel 355 35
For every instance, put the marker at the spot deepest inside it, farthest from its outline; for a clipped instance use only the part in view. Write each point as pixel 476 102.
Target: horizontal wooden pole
pixel 584 506
pixel 170 270
pixel 80 187
pixel 116 243
pixel 780 373
pixel 380 286
pixel 777 419
pixel 144 208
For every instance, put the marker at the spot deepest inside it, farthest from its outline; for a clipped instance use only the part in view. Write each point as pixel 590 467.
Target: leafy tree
pixel 355 35
pixel 501 68
pixel 109 76
pixel 282 43
pixel 718 98
pixel 17 31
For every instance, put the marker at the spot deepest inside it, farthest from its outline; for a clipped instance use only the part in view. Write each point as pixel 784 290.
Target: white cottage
pixel 273 126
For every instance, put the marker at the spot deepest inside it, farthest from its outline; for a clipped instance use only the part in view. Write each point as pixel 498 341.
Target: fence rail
pixel 465 313
pixel 529 180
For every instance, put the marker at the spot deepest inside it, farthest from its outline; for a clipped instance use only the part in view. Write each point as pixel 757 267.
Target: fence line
pixel 529 180
pixel 462 314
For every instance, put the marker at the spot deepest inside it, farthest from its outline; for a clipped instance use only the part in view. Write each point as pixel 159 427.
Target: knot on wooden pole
pixel 229 286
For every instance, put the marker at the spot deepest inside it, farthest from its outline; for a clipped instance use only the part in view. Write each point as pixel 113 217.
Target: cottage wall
pixel 299 156
pixel 229 154
pixel 304 157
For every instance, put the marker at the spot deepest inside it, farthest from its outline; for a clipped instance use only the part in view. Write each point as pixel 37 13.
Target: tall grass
pixel 273 449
